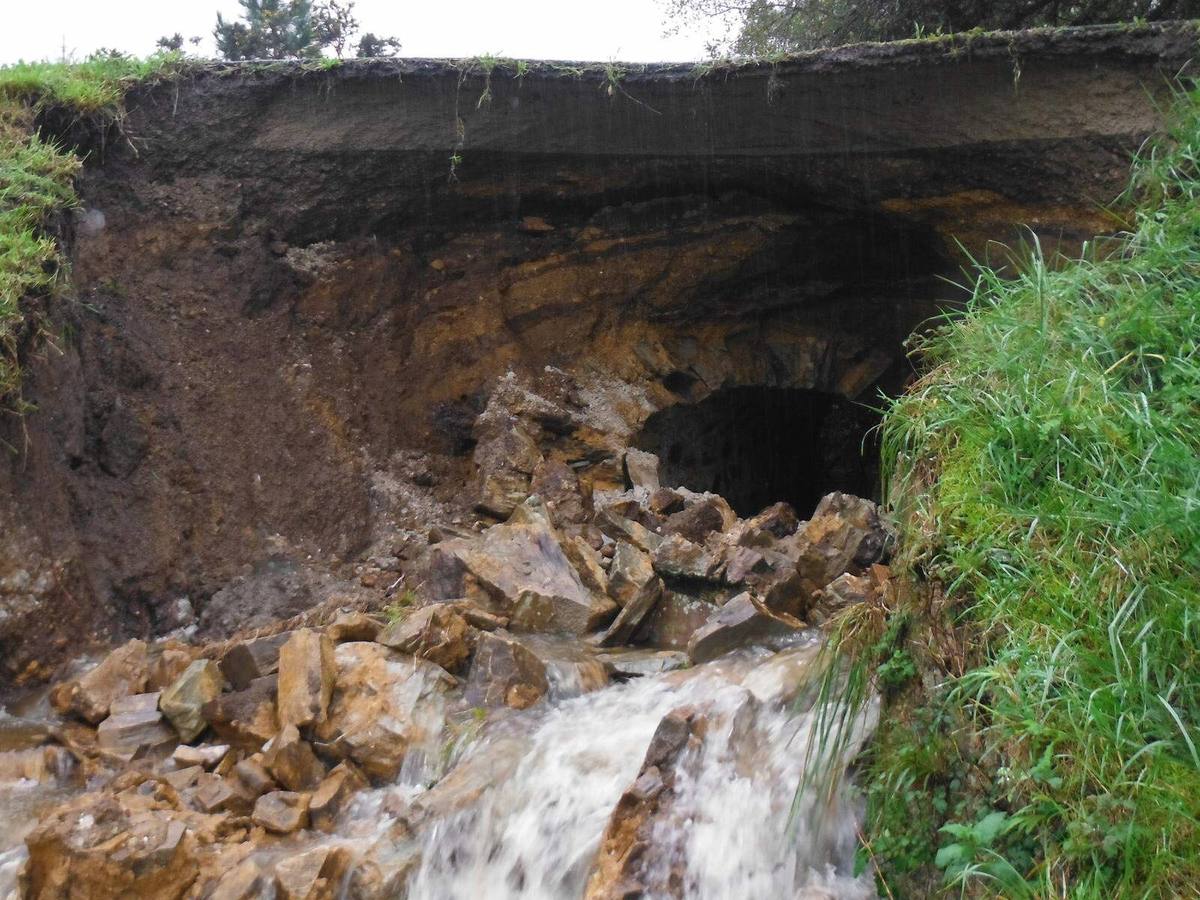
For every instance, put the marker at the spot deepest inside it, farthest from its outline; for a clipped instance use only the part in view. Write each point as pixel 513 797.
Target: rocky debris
pixel 744 563
pixel 741 621
pixel 183 702
pixel 637 663
pixel 699 519
pixel 587 563
pixel 437 633
pixel 135 839
pixel 291 761
pixel 385 703
pixel 676 616
pixel 281 812
pixel 478 618
pixel 168 664
pixel 353 626
pixel 206 756
pixel 664 501
pixel 635 587
pixel 850 590
pixel 628 863
pixel 569 502
pixel 248 660
pixel 677 557
pixel 523 568
pixel 845 534
pixel 505 673
pixel 312 875
pixel 506 449
pixel 333 794
pixel 245 882
pixel 641 469
pixel 124 671
pixel 246 719
pixel 776 521
pixel 253 776
pixel 135 724
pixel 307 671
pixel 213 794
pixel 620 528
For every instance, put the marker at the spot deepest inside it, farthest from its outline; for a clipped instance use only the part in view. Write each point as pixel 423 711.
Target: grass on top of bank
pixel 1046 483
pixel 37 183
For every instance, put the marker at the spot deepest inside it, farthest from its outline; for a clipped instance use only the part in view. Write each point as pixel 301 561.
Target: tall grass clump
pixel 36 182
pixel 1047 490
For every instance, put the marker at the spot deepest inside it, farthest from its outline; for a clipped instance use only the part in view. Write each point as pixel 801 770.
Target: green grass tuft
pixel 1047 487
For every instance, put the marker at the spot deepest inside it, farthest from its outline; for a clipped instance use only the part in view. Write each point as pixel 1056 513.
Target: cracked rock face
pixel 302 345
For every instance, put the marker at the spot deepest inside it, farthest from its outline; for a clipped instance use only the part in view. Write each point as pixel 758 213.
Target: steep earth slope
pixel 301 295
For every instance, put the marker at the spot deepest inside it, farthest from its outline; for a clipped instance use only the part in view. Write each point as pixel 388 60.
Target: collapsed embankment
pixel 294 292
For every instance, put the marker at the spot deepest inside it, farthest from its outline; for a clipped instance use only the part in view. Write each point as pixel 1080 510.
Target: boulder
pixel 505 673
pixel 244 882
pixel 675 618
pixel 845 534
pixel 636 589
pixel 213 794
pixel 168 665
pixel 333 794
pixel 630 573
pixel 124 733
pixel 698 520
pixel 281 812
pixel 677 557
pixel 743 563
pixel 633 860
pixel 248 660
pixel 183 702
pixel 743 620
pixel 246 719
pixel 353 626
pixel 587 563
pixel 307 671
pixel 665 501
pixel 523 568
pixel 124 671
pixel 849 590
pixel 206 756
pixel 641 469
pixel 569 501
pixel 291 761
pixel 437 633
pixel 384 704
pixel 122 843
pixel 640 662
pixel 776 521
pixel 506 455
pixel 315 874
pixel 621 528
pixel 254 777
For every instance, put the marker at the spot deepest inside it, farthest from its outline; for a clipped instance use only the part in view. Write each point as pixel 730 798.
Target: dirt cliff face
pixel 297 292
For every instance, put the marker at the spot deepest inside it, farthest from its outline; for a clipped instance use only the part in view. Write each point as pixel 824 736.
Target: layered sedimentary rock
pixel 301 294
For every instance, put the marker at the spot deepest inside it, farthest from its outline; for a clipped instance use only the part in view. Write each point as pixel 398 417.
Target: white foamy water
pixel 533 828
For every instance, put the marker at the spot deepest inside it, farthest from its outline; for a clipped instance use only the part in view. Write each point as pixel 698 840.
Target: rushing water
pixel 522 813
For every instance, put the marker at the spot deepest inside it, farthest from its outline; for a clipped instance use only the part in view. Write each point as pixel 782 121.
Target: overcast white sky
pixel 630 30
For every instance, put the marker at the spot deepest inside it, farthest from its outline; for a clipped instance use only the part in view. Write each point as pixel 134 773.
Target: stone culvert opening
pixel 757 445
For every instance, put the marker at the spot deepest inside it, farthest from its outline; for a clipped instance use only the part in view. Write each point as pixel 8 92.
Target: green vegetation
pixel 759 28
pixel 1042 734
pixel 36 183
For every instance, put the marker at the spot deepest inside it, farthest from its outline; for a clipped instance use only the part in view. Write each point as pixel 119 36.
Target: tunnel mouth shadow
pixel 757 445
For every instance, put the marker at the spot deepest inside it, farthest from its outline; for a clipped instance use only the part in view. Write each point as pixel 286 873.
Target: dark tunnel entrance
pixel 758 445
